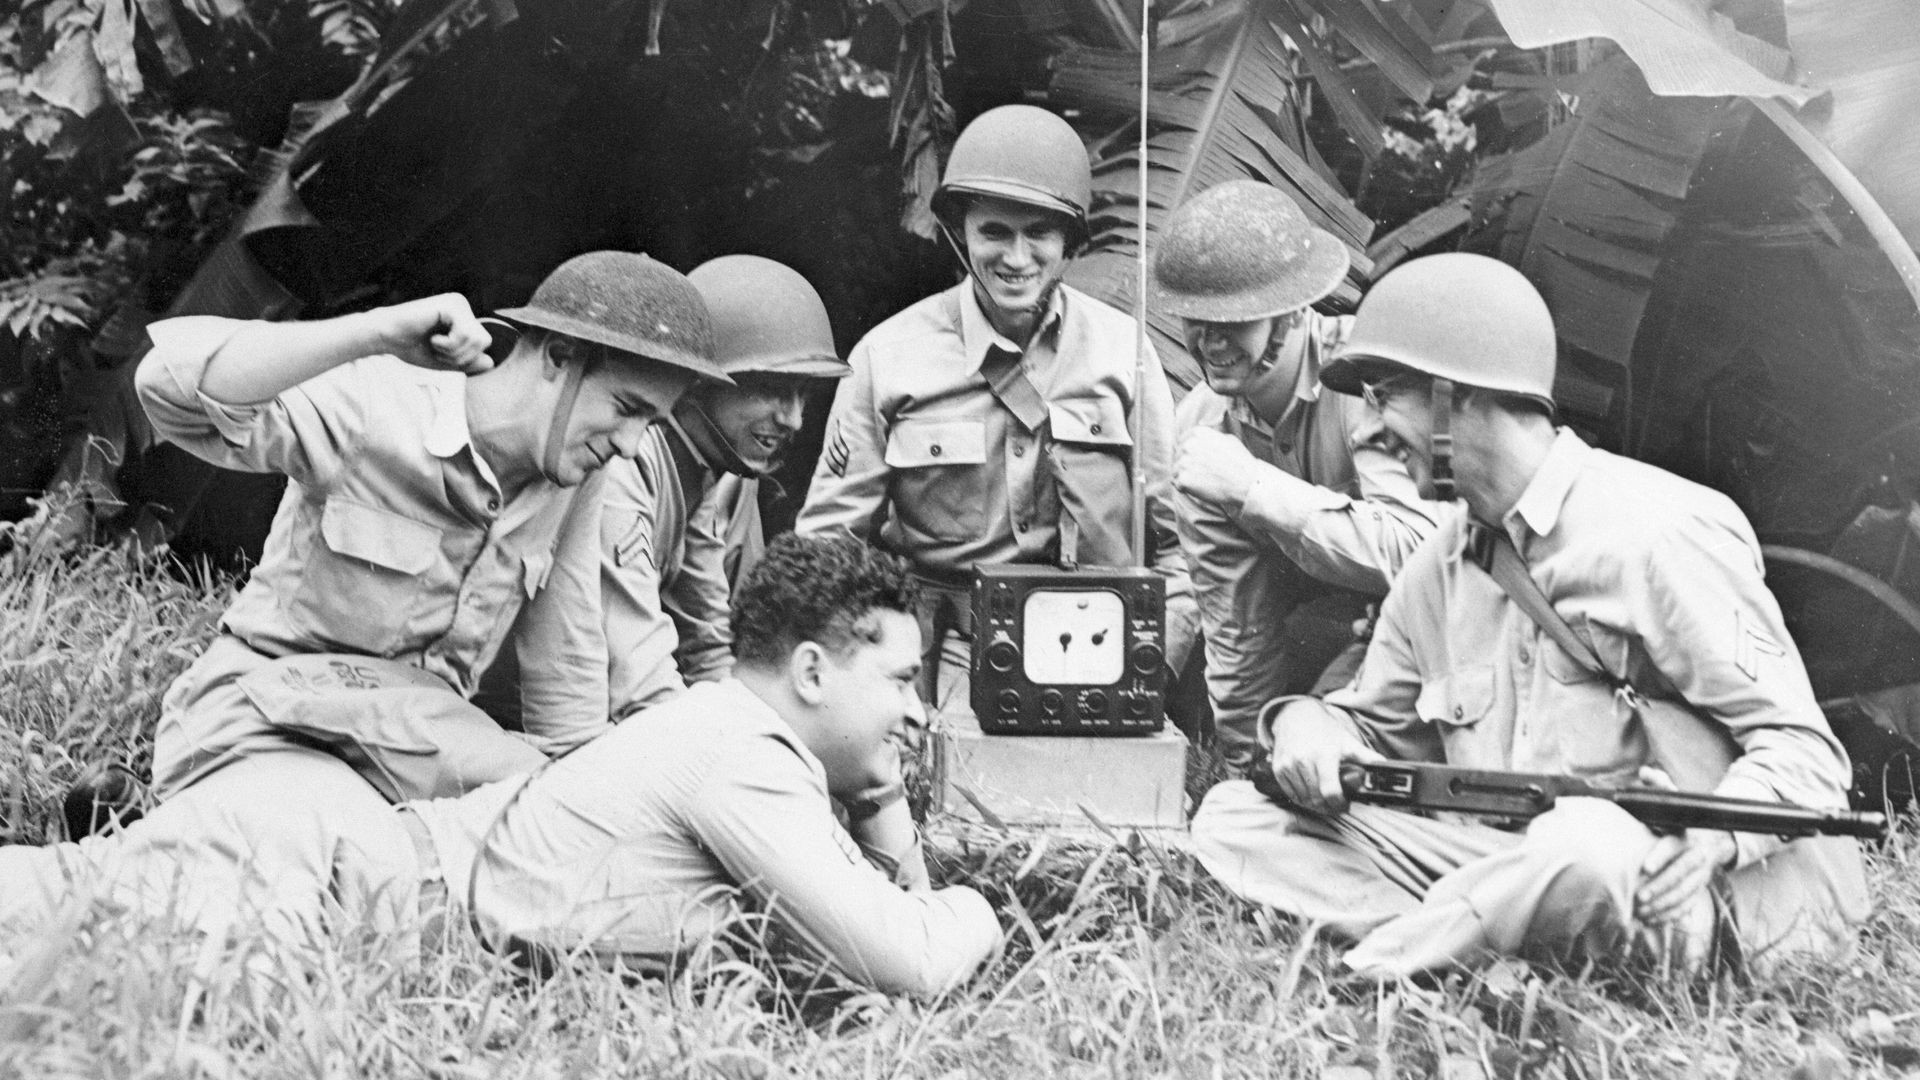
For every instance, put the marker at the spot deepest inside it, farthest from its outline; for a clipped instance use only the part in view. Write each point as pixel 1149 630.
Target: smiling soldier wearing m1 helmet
pixel 987 424
pixel 1685 677
pixel 1291 517
pixel 429 488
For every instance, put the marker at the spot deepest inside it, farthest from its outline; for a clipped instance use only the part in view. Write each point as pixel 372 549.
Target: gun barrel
pixel 1428 786
pixel 1675 810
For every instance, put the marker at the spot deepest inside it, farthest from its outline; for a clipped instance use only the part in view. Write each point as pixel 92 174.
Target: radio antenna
pixel 1140 347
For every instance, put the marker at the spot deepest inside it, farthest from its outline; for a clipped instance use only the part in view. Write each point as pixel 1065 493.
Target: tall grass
pixel 1122 959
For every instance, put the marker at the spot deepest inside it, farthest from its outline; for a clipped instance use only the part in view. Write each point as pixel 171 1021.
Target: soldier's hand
pixel 436 332
pixel 1214 468
pixel 1676 872
pixel 1309 745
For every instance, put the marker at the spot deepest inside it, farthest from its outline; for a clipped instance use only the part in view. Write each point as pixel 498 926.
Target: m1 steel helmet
pixel 1466 318
pixel 1023 153
pixel 767 318
pixel 1243 250
pixel 627 302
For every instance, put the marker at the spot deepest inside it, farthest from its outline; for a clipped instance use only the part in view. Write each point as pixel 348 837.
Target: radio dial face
pixel 1003 655
pixel 1075 637
pixel 1147 658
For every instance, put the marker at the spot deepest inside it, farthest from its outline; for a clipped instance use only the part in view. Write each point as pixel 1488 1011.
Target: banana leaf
pixel 1224 105
pixel 1585 214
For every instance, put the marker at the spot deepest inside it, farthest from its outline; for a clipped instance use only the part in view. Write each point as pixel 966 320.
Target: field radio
pixel 1069 652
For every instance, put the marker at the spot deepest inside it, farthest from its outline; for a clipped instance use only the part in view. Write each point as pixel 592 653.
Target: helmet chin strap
pixel 704 437
pixel 1440 441
pixel 562 417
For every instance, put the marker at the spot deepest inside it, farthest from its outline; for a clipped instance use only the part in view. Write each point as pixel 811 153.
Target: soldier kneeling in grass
pixel 643 845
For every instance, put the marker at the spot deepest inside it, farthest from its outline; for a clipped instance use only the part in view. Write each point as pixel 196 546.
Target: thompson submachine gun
pixel 1518 795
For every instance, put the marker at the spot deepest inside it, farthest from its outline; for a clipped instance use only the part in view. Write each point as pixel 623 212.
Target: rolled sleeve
pixel 769 824
pixel 304 433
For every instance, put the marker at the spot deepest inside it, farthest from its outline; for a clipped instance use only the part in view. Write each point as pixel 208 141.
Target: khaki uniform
pixel 641 845
pixel 922 457
pixel 1663 577
pixel 392 546
pixel 1327 524
pixel 649 620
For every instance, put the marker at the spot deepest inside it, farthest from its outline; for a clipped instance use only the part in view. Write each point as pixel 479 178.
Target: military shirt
pixel 632 619
pixel 921 454
pixel 393 538
pixel 1662 576
pixel 648 838
pixel 663 575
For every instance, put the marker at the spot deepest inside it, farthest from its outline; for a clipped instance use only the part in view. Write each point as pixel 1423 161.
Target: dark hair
pixel 816 588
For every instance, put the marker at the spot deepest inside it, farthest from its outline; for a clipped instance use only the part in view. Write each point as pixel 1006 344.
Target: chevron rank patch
pixel 1752 646
pixel 837 452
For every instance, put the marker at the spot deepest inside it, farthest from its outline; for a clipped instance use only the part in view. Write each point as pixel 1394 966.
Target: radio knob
pixel 1139 704
pixel 1096 702
pixel 1051 702
pixel 1002 655
pixel 1147 658
pixel 1009 702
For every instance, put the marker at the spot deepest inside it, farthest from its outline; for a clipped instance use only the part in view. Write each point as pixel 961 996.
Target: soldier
pixel 1661 577
pixel 660 591
pixel 1291 515
pixel 430 492
pixel 642 846
pixel 988 423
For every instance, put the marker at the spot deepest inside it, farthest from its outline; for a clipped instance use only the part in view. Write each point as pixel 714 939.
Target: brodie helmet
pixel 1240 251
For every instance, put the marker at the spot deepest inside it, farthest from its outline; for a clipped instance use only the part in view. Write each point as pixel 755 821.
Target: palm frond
pixel 1224 104
pixel 1585 214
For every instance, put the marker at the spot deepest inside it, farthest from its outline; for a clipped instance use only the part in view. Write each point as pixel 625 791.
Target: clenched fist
pixel 437 332
pixel 1214 468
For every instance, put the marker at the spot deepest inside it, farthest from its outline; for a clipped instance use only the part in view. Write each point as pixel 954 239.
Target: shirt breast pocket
pixel 1091 450
pixel 362 587
pixel 939 476
pixel 1458 705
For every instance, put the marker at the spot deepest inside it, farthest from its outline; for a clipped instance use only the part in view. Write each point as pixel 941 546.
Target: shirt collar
pixel 1306 391
pixel 1539 506
pixel 447 431
pixel 977 334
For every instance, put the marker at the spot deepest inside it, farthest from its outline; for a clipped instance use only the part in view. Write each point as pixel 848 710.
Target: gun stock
pixel 1423 786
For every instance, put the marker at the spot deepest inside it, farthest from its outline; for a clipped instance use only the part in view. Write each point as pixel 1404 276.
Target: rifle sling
pixel 1692 749
pixel 1510 573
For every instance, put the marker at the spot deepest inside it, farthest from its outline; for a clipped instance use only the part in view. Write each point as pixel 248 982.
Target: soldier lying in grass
pixel 643 844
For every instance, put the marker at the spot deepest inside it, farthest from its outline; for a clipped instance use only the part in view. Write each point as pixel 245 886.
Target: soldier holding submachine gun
pixel 1589 617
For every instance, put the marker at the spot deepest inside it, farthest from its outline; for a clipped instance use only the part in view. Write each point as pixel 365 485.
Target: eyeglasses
pixel 1376 392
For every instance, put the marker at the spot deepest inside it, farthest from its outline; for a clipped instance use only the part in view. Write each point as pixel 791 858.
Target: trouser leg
pixel 1563 893
pixel 1353 872
pixel 410 735
pixel 286 840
